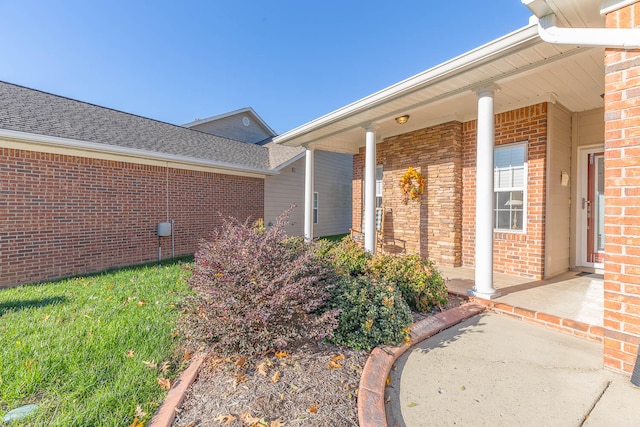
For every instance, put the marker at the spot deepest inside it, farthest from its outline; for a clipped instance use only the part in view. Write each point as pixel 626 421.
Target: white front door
pixel 591 208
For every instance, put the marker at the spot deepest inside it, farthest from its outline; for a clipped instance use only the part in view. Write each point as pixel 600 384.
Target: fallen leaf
pixel 225 419
pixel 187 355
pixel 262 369
pixel 337 358
pixel 276 377
pixel 412 404
pixel 240 379
pixel 277 423
pixel 164 368
pixel 240 362
pixel 150 365
pixel 281 354
pixel 164 383
pixel 249 419
pixel 135 423
pixel 334 365
pixel 139 412
pixel 463 388
pixel 130 353
pixel 387 382
pixel 313 409
pixel 46 317
pixel 141 303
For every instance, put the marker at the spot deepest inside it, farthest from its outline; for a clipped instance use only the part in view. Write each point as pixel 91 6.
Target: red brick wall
pixel 622 198
pixel 514 253
pixel 432 227
pixel 63 215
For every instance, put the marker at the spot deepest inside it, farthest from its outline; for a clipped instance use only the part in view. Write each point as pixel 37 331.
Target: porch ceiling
pixel 527 70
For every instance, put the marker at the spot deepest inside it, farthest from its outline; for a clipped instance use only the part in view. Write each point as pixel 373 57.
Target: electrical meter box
pixel 164 229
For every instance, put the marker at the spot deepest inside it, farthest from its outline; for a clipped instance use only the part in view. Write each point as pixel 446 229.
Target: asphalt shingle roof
pixel 29 110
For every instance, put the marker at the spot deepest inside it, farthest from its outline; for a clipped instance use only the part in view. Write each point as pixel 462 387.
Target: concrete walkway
pixel 492 370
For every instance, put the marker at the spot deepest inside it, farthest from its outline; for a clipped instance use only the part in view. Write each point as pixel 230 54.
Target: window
pixel 378 186
pixel 509 185
pixel 378 189
pixel 315 207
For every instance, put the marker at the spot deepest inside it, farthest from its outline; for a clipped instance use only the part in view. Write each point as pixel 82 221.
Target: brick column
pixel 622 198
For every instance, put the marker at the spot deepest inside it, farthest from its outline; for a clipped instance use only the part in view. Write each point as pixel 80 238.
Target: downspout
pixel 623 38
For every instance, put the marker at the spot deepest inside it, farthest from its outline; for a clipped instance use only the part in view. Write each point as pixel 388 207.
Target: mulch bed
pixel 315 386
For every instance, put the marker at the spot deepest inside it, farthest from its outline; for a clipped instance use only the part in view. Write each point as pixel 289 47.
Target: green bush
pixel 419 281
pixel 371 313
pixel 348 258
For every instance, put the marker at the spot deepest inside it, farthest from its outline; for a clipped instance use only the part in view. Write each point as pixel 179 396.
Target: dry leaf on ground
pixel 150 365
pixel 164 383
pixel 225 419
pixel 276 377
pixel 262 369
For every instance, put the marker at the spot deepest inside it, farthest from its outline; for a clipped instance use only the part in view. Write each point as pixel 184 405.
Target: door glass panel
pixel 599 205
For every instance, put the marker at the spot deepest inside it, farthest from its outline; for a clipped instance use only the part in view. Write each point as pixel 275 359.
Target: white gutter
pixel 456 65
pixel 624 38
pixel 55 141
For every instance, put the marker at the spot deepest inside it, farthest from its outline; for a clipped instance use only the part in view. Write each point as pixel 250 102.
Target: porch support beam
pixel 308 193
pixel 370 190
pixel 483 287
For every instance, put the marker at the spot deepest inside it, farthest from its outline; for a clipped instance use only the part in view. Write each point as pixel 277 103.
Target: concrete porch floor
pixel 572 295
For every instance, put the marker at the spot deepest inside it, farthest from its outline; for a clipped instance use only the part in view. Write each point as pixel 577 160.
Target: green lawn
pixel 76 347
pixel 335 237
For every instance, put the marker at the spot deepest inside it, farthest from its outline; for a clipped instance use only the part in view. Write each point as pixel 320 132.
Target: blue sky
pixel 292 61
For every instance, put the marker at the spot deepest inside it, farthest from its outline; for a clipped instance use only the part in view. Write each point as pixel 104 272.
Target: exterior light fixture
pixel 402 119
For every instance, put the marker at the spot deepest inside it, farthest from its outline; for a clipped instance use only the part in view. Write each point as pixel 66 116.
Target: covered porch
pixel 571 301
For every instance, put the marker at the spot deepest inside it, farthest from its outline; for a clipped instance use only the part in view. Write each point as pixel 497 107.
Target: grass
pixel 76 347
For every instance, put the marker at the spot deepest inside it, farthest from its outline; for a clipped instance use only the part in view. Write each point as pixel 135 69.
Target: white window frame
pixel 509 189
pixel 315 207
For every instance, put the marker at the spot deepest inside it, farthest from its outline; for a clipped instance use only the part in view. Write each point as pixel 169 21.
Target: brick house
pixel 530 147
pixel 83 188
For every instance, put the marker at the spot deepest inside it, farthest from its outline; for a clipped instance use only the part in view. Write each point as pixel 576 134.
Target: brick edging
pixel 167 412
pixel 371 412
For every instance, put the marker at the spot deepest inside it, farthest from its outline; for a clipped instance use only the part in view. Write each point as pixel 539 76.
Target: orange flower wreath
pixel 412 185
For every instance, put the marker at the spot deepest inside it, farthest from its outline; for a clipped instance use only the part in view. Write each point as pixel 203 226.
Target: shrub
pixel 348 258
pixel 419 281
pixel 259 290
pixel 371 313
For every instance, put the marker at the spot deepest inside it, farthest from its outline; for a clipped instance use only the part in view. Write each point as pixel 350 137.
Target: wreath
pixel 412 185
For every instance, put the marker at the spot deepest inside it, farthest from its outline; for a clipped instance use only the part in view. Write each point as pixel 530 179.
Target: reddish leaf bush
pixel 259 290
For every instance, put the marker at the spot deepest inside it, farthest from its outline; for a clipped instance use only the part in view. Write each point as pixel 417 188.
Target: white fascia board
pixel 456 65
pixel 609 6
pixel 125 151
pixel 248 110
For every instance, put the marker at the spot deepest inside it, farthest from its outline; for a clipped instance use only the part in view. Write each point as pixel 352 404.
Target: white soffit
pixel 530 73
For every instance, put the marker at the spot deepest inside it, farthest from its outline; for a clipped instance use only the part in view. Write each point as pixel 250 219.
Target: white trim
pixel 609 6
pixel 316 207
pixel 525 179
pixel 465 62
pixel 131 153
pixel 581 214
pixel 249 110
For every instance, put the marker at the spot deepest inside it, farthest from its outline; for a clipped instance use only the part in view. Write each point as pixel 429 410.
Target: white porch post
pixel 370 191
pixel 483 287
pixel 308 194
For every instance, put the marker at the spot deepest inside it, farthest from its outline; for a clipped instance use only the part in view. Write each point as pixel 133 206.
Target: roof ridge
pixel 115 110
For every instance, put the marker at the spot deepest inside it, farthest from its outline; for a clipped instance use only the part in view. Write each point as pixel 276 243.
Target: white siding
pixel 333 172
pixel 558 215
